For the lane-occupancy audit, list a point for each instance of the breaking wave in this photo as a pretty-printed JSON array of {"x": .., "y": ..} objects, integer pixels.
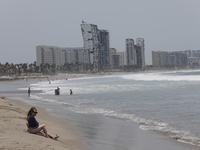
[{"x": 164, "y": 76}]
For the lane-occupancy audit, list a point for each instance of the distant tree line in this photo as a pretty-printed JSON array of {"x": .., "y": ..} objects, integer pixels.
[
  {"x": 17, "y": 69},
  {"x": 48, "y": 69},
  {"x": 10, "y": 69}
]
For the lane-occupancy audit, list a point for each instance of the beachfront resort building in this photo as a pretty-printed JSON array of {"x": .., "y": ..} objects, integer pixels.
[
  {"x": 162, "y": 59},
  {"x": 116, "y": 58},
  {"x": 176, "y": 58},
  {"x": 121, "y": 58},
  {"x": 60, "y": 55},
  {"x": 113, "y": 51},
  {"x": 193, "y": 57},
  {"x": 140, "y": 50},
  {"x": 90, "y": 40},
  {"x": 103, "y": 55},
  {"x": 135, "y": 54},
  {"x": 96, "y": 51},
  {"x": 97, "y": 41},
  {"x": 130, "y": 53}
]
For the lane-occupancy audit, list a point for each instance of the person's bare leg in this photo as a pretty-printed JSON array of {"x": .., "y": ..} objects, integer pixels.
[
  {"x": 44, "y": 129},
  {"x": 40, "y": 129},
  {"x": 49, "y": 135},
  {"x": 41, "y": 132},
  {"x": 53, "y": 137},
  {"x": 56, "y": 137}
]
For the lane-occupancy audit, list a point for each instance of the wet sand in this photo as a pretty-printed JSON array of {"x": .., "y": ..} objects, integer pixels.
[{"x": 116, "y": 134}]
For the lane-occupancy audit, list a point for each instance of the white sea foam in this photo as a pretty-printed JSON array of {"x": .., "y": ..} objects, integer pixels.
[
  {"x": 67, "y": 104},
  {"x": 38, "y": 98},
  {"x": 94, "y": 77},
  {"x": 160, "y": 77}
]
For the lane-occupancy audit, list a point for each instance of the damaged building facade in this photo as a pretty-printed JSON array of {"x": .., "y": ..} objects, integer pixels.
[
  {"x": 97, "y": 41},
  {"x": 95, "y": 51},
  {"x": 135, "y": 54}
]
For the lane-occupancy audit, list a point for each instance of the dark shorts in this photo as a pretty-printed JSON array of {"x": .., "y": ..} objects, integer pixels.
[{"x": 31, "y": 128}]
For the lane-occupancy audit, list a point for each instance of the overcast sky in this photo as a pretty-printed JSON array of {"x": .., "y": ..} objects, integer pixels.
[{"x": 167, "y": 25}]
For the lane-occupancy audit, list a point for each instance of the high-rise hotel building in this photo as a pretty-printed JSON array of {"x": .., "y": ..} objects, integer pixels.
[
  {"x": 95, "y": 50},
  {"x": 90, "y": 34},
  {"x": 97, "y": 41},
  {"x": 59, "y": 55},
  {"x": 131, "y": 56},
  {"x": 103, "y": 56},
  {"x": 135, "y": 54},
  {"x": 141, "y": 52},
  {"x": 116, "y": 58}
]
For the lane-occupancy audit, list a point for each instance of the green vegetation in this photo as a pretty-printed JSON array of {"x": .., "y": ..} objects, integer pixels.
[{"x": 24, "y": 69}]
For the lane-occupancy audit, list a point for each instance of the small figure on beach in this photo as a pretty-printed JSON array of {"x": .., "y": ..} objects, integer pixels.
[
  {"x": 29, "y": 91},
  {"x": 71, "y": 92},
  {"x": 34, "y": 127}
]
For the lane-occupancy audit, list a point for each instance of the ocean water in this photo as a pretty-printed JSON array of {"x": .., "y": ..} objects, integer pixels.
[{"x": 165, "y": 102}]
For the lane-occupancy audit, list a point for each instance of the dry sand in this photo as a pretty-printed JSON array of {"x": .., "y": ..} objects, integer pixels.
[{"x": 14, "y": 135}]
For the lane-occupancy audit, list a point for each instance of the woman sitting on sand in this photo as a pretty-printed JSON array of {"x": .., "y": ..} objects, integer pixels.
[{"x": 34, "y": 127}]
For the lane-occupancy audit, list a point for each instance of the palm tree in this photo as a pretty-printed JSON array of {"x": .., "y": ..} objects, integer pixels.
[
  {"x": 53, "y": 68},
  {"x": 24, "y": 67},
  {"x": 7, "y": 66},
  {"x": 12, "y": 69},
  {"x": 30, "y": 68},
  {"x": 18, "y": 69},
  {"x": 35, "y": 67}
]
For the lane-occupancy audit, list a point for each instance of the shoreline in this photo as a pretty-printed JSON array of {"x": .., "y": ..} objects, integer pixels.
[
  {"x": 128, "y": 135},
  {"x": 14, "y": 135},
  {"x": 78, "y": 75}
]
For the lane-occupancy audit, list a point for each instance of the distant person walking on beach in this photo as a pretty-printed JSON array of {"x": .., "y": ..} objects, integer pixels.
[
  {"x": 71, "y": 92},
  {"x": 29, "y": 91},
  {"x": 34, "y": 127}
]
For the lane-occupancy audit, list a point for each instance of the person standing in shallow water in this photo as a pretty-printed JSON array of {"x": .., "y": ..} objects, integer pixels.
[
  {"x": 71, "y": 92},
  {"x": 29, "y": 91},
  {"x": 34, "y": 127}
]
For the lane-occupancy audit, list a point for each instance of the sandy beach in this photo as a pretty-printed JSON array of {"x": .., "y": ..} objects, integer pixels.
[{"x": 14, "y": 135}]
